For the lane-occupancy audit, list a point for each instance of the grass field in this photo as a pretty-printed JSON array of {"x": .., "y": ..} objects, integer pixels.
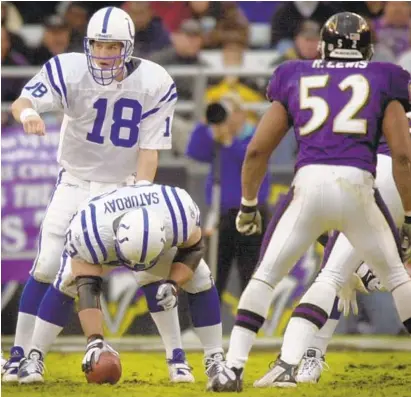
[{"x": 351, "y": 374}]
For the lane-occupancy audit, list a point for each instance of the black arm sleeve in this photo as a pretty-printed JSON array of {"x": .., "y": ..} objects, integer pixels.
[{"x": 191, "y": 256}]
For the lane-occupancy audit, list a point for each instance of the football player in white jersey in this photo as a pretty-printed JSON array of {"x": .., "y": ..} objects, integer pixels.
[
  {"x": 117, "y": 114},
  {"x": 155, "y": 231}
]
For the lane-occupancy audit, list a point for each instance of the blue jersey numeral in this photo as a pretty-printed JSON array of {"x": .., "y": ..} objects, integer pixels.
[
  {"x": 118, "y": 122},
  {"x": 38, "y": 90},
  {"x": 167, "y": 133}
]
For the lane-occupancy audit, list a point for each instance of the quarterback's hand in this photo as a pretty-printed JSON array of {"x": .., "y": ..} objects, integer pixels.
[
  {"x": 34, "y": 125},
  {"x": 93, "y": 351},
  {"x": 348, "y": 295},
  {"x": 406, "y": 239},
  {"x": 167, "y": 295},
  {"x": 248, "y": 220},
  {"x": 369, "y": 279}
]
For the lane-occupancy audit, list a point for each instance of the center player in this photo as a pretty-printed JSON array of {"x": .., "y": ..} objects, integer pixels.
[
  {"x": 155, "y": 231},
  {"x": 339, "y": 106},
  {"x": 117, "y": 114}
]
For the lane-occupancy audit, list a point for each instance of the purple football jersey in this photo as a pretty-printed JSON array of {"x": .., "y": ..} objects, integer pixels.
[{"x": 337, "y": 108}]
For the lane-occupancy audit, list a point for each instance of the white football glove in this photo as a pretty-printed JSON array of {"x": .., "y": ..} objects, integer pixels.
[
  {"x": 93, "y": 351},
  {"x": 248, "y": 220},
  {"x": 369, "y": 279},
  {"x": 167, "y": 295},
  {"x": 348, "y": 295}
]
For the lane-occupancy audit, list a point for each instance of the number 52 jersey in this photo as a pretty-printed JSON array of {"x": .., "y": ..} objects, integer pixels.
[
  {"x": 337, "y": 108},
  {"x": 103, "y": 126}
]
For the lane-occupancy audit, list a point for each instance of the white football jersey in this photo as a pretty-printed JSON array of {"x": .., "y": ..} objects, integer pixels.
[
  {"x": 90, "y": 234},
  {"x": 103, "y": 126}
]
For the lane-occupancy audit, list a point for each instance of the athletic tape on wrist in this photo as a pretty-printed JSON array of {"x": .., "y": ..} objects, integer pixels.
[{"x": 28, "y": 112}]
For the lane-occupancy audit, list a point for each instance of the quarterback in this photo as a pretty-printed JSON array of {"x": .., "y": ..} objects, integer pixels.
[{"x": 117, "y": 114}]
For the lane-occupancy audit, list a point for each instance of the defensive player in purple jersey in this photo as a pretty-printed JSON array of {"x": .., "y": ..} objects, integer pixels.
[
  {"x": 339, "y": 249},
  {"x": 339, "y": 107}
]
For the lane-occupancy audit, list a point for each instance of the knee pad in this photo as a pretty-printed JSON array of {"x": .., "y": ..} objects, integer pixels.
[
  {"x": 47, "y": 262},
  {"x": 201, "y": 281}
]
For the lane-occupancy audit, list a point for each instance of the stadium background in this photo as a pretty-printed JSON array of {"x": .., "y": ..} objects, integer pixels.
[{"x": 210, "y": 48}]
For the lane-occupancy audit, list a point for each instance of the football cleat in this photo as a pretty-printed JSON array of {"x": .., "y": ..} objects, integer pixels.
[
  {"x": 178, "y": 368},
  {"x": 31, "y": 369},
  {"x": 11, "y": 367},
  {"x": 212, "y": 365},
  {"x": 226, "y": 379},
  {"x": 311, "y": 366},
  {"x": 280, "y": 374}
]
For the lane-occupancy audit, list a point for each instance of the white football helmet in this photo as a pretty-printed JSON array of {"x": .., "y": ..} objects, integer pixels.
[
  {"x": 109, "y": 24},
  {"x": 140, "y": 238}
]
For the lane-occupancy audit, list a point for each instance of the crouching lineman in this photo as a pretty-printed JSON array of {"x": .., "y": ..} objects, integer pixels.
[{"x": 151, "y": 229}]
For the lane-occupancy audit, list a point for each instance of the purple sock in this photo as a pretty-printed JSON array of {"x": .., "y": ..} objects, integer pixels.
[
  {"x": 150, "y": 291},
  {"x": 205, "y": 308},
  {"x": 32, "y": 296},
  {"x": 56, "y": 308}
]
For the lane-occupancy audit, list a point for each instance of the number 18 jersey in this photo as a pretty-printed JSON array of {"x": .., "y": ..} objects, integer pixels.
[
  {"x": 337, "y": 108},
  {"x": 103, "y": 126}
]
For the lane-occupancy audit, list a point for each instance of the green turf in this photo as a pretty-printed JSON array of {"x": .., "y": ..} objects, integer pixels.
[{"x": 351, "y": 374}]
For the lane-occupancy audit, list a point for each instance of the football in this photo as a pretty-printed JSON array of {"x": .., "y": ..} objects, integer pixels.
[{"x": 106, "y": 370}]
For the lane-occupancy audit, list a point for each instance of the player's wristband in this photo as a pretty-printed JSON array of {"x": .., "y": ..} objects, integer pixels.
[
  {"x": 407, "y": 219},
  {"x": 94, "y": 337},
  {"x": 169, "y": 281},
  {"x": 28, "y": 112},
  {"x": 249, "y": 203}
]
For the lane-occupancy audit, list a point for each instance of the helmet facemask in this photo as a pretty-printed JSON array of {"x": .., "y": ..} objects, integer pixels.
[{"x": 105, "y": 76}]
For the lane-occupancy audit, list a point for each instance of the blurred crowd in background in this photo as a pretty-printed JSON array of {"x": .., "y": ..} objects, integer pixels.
[{"x": 176, "y": 33}]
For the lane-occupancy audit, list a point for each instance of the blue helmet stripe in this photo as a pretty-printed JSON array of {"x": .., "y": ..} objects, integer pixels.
[
  {"x": 145, "y": 235},
  {"x": 106, "y": 17}
]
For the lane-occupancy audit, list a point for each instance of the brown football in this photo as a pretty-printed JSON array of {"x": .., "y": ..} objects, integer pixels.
[{"x": 106, "y": 370}]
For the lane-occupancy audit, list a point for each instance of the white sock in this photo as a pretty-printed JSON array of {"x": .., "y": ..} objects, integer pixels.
[
  {"x": 241, "y": 342},
  {"x": 301, "y": 331},
  {"x": 44, "y": 335},
  {"x": 402, "y": 299},
  {"x": 323, "y": 337},
  {"x": 211, "y": 338},
  {"x": 24, "y": 330},
  {"x": 168, "y": 326},
  {"x": 256, "y": 298}
]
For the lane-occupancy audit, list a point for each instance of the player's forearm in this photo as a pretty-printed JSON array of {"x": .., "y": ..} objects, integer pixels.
[
  {"x": 402, "y": 176},
  {"x": 180, "y": 273},
  {"x": 18, "y": 106},
  {"x": 147, "y": 164},
  {"x": 253, "y": 172},
  {"x": 271, "y": 129},
  {"x": 91, "y": 322}
]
